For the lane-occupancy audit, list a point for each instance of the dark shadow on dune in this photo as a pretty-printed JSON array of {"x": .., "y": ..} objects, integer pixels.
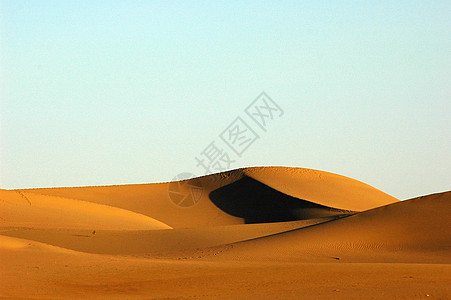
[{"x": 258, "y": 203}]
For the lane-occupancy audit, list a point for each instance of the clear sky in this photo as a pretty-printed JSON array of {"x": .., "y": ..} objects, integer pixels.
[{"x": 115, "y": 92}]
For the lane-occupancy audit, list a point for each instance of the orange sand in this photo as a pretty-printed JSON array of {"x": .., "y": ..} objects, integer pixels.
[{"x": 256, "y": 233}]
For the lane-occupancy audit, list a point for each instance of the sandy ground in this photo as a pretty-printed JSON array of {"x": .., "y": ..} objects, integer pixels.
[{"x": 335, "y": 237}]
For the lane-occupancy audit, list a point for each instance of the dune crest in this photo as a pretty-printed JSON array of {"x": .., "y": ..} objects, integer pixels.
[{"x": 322, "y": 187}]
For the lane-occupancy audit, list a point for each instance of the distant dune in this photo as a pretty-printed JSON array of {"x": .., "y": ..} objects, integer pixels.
[
  {"x": 324, "y": 189},
  {"x": 272, "y": 232}
]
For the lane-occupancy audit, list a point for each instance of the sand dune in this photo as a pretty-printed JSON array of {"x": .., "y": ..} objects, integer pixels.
[
  {"x": 151, "y": 200},
  {"x": 325, "y": 189},
  {"x": 256, "y": 202},
  {"x": 22, "y": 209},
  {"x": 321, "y": 187},
  {"x": 410, "y": 231},
  {"x": 269, "y": 232}
]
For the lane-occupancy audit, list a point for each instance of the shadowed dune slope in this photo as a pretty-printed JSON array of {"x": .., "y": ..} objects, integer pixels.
[
  {"x": 413, "y": 230},
  {"x": 324, "y": 189},
  {"x": 258, "y": 203}
]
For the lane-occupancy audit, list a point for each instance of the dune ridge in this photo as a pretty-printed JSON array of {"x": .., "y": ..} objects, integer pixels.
[{"x": 320, "y": 187}]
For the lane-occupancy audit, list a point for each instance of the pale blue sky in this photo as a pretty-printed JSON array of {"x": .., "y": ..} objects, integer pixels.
[{"x": 114, "y": 92}]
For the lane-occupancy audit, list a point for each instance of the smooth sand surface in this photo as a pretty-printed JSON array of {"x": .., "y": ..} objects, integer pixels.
[
  {"x": 39, "y": 211},
  {"x": 321, "y": 187},
  {"x": 269, "y": 232},
  {"x": 409, "y": 231}
]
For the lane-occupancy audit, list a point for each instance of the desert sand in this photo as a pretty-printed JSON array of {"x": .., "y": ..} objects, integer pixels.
[{"x": 263, "y": 232}]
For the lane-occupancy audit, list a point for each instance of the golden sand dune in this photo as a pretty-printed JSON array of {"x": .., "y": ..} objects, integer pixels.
[
  {"x": 413, "y": 231},
  {"x": 321, "y": 187},
  {"x": 256, "y": 233},
  {"x": 22, "y": 209},
  {"x": 331, "y": 193},
  {"x": 152, "y": 200}
]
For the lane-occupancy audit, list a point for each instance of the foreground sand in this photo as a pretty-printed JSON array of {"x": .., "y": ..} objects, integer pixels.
[{"x": 335, "y": 238}]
